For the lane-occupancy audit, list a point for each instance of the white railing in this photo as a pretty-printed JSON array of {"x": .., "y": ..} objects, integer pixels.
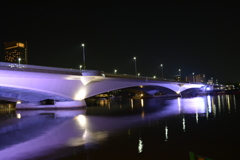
[{"x": 35, "y": 68}]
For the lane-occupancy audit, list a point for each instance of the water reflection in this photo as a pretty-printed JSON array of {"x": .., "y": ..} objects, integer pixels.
[
  {"x": 32, "y": 133},
  {"x": 140, "y": 145}
]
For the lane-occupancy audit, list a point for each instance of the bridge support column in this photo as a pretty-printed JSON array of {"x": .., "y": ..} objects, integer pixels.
[{"x": 56, "y": 105}]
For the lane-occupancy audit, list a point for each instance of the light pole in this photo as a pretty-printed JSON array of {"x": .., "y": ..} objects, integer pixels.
[
  {"x": 179, "y": 73},
  {"x": 138, "y": 74},
  {"x": 193, "y": 76},
  {"x": 162, "y": 69},
  {"x": 80, "y": 67},
  {"x": 115, "y": 71},
  {"x": 135, "y": 59},
  {"x": 19, "y": 59},
  {"x": 84, "y": 64}
]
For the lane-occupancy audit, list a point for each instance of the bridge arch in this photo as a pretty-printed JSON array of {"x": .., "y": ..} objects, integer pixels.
[{"x": 69, "y": 87}]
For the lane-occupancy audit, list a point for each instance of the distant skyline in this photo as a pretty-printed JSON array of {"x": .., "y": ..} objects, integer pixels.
[{"x": 195, "y": 37}]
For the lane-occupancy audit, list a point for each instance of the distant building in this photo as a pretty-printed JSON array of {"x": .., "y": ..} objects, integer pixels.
[
  {"x": 210, "y": 82},
  {"x": 16, "y": 52},
  {"x": 200, "y": 78},
  {"x": 177, "y": 77}
]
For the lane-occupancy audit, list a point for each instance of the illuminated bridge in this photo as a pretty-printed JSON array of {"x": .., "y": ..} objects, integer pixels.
[{"x": 30, "y": 85}]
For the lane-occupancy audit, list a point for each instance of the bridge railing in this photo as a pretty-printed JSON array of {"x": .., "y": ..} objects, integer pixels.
[
  {"x": 141, "y": 77},
  {"x": 44, "y": 69}
]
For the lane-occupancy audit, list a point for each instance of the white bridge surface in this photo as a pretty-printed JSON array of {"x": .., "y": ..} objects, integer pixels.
[{"x": 21, "y": 84}]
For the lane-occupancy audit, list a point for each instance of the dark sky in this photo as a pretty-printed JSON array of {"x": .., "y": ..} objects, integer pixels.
[{"x": 196, "y": 37}]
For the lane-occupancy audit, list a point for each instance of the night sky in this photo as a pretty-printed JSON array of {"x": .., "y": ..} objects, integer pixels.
[{"x": 203, "y": 38}]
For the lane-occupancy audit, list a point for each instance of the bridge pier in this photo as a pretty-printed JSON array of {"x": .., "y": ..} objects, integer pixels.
[{"x": 56, "y": 105}]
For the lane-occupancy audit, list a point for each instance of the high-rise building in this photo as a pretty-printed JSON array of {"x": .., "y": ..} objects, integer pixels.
[
  {"x": 200, "y": 78},
  {"x": 16, "y": 52}
]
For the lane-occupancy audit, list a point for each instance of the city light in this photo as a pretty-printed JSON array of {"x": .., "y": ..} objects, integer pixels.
[
  {"x": 162, "y": 69},
  {"x": 135, "y": 59},
  {"x": 19, "y": 59},
  {"x": 84, "y": 63}
]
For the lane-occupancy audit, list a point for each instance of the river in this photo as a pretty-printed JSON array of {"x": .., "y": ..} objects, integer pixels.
[{"x": 153, "y": 128}]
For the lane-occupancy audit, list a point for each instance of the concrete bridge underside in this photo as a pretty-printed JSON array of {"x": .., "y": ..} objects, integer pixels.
[{"x": 29, "y": 88}]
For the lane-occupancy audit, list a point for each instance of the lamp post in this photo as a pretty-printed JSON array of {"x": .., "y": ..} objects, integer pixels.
[
  {"x": 84, "y": 64},
  {"x": 19, "y": 59},
  {"x": 193, "y": 76},
  {"x": 115, "y": 71},
  {"x": 162, "y": 69},
  {"x": 179, "y": 74},
  {"x": 80, "y": 67},
  {"x": 138, "y": 74},
  {"x": 135, "y": 59}
]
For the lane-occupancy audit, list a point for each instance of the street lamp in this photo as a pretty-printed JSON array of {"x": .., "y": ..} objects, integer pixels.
[
  {"x": 19, "y": 59},
  {"x": 135, "y": 59},
  {"x": 154, "y": 77},
  {"x": 162, "y": 69},
  {"x": 115, "y": 71},
  {"x": 80, "y": 67},
  {"x": 179, "y": 73},
  {"x": 84, "y": 64},
  {"x": 193, "y": 76},
  {"x": 138, "y": 74}
]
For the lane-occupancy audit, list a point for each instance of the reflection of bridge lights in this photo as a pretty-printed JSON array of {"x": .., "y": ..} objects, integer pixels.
[
  {"x": 18, "y": 115},
  {"x": 197, "y": 116},
  {"x": 166, "y": 133},
  {"x": 209, "y": 104},
  {"x": 80, "y": 95},
  {"x": 219, "y": 103},
  {"x": 143, "y": 114},
  {"x": 85, "y": 134},
  {"x": 179, "y": 104},
  {"x": 132, "y": 103},
  {"x": 228, "y": 103},
  {"x": 140, "y": 146},
  {"x": 184, "y": 126},
  {"x": 82, "y": 120},
  {"x": 234, "y": 102},
  {"x": 142, "y": 103},
  {"x": 129, "y": 132}
]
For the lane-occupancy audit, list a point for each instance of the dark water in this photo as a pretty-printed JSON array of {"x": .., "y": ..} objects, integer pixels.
[{"x": 161, "y": 129}]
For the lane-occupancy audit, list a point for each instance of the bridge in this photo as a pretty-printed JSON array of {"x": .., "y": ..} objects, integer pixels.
[{"x": 30, "y": 85}]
